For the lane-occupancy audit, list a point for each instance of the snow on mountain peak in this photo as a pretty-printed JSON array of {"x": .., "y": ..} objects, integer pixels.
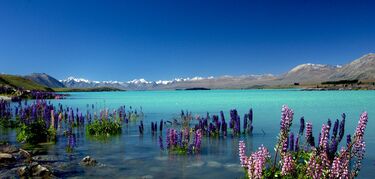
[
  {"x": 135, "y": 81},
  {"x": 71, "y": 78},
  {"x": 139, "y": 81}
]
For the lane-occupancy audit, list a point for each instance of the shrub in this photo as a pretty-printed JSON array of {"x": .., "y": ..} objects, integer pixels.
[{"x": 103, "y": 127}]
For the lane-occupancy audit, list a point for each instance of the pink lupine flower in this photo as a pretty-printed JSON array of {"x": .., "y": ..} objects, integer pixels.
[
  {"x": 256, "y": 162},
  {"x": 314, "y": 169},
  {"x": 286, "y": 122},
  {"x": 340, "y": 164},
  {"x": 323, "y": 144},
  {"x": 287, "y": 164},
  {"x": 242, "y": 153}
]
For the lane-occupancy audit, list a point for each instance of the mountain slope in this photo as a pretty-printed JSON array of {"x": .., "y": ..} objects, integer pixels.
[
  {"x": 46, "y": 80},
  {"x": 21, "y": 82},
  {"x": 361, "y": 69},
  {"x": 309, "y": 73}
]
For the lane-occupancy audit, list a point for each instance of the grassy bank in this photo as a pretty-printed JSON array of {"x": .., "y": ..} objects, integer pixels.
[{"x": 98, "y": 89}]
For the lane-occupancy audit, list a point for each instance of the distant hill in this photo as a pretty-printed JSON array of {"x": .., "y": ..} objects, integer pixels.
[
  {"x": 21, "y": 82},
  {"x": 46, "y": 80},
  {"x": 360, "y": 69},
  {"x": 309, "y": 73}
]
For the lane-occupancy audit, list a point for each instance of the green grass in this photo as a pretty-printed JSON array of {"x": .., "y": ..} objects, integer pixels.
[{"x": 21, "y": 82}]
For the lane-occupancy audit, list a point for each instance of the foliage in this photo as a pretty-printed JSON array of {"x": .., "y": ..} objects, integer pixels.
[
  {"x": 35, "y": 132},
  {"x": 103, "y": 127}
]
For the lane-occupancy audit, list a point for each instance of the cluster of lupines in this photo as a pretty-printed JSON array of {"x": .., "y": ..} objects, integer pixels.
[
  {"x": 5, "y": 114},
  {"x": 105, "y": 125},
  {"x": 184, "y": 141},
  {"x": 37, "y": 122},
  {"x": 71, "y": 140},
  {"x": 308, "y": 160},
  {"x": 219, "y": 127},
  {"x": 255, "y": 163}
]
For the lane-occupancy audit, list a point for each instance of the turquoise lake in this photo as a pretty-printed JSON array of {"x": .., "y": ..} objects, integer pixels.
[{"x": 133, "y": 156}]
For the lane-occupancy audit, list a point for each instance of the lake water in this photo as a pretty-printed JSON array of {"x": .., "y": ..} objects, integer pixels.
[{"x": 131, "y": 155}]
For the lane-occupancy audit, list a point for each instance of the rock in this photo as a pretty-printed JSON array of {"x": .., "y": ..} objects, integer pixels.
[
  {"x": 40, "y": 171},
  {"x": 25, "y": 154},
  {"x": 4, "y": 157},
  {"x": 9, "y": 149},
  {"x": 88, "y": 161},
  {"x": 23, "y": 171}
]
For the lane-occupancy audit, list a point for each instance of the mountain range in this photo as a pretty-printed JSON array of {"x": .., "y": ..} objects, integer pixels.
[{"x": 362, "y": 69}]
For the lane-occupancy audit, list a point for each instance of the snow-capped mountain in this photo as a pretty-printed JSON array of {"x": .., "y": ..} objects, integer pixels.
[
  {"x": 362, "y": 68},
  {"x": 136, "y": 84}
]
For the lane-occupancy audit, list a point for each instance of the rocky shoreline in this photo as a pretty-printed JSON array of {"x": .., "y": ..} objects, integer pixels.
[{"x": 20, "y": 163}]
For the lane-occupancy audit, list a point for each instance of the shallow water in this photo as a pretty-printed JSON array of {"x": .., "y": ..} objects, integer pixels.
[{"x": 131, "y": 155}]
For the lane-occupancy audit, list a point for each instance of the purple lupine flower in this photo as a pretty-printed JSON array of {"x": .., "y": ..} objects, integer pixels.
[
  {"x": 335, "y": 129},
  {"x": 161, "y": 125},
  {"x": 222, "y": 117},
  {"x": 296, "y": 144},
  {"x": 233, "y": 117},
  {"x": 251, "y": 117},
  {"x": 288, "y": 164},
  {"x": 224, "y": 129},
  {"x": 291, "y": 142},
  {"x": 238, "y": 126},
  {"x": 152, "y": 127},
  {"x": 155, "y": 127},
  {"x": 329, "y": 123},
  {"x": 198, "y": 140},
  {"x": 245, "y": 122},
  {"x": 332, "y": 149},
  {"x": 302, "y": 126},
  {"x": 168, "y": 139},
  {"x": 242, "y": 153},
  {"x": 348, "y": 140},
  {"x": 342, "y": 128}
]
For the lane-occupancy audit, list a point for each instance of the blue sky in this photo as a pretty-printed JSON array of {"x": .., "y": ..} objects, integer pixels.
[{"x": 123, "y": 40}]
